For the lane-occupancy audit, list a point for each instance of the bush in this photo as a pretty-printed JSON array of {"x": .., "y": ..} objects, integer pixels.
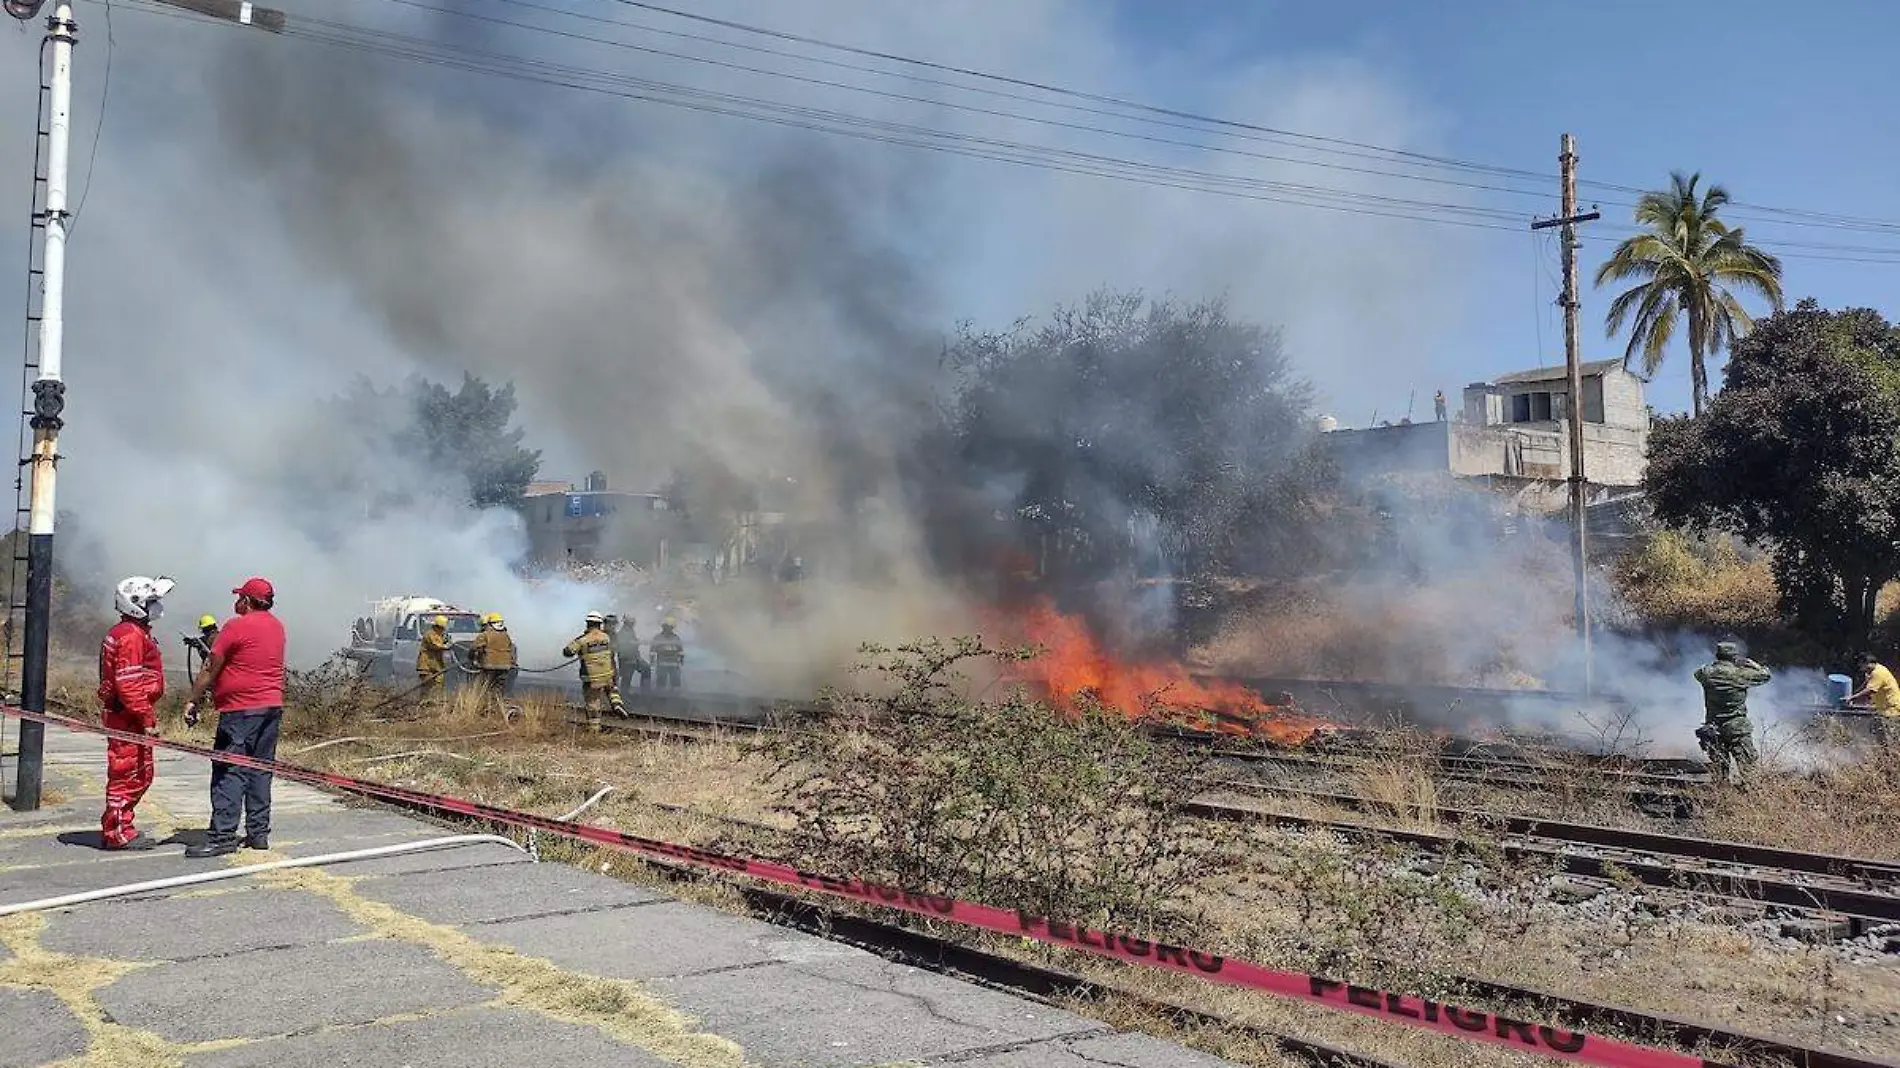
[
  {"x": 1677, "y": 580},
  {"x": 1002, "y": 800}
]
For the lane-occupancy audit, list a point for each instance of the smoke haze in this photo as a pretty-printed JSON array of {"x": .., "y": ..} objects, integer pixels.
[{"x": 267, "y": 218}]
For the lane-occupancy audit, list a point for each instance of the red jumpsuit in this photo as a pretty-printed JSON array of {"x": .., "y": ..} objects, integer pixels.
[{"x": 131, "y": 680}]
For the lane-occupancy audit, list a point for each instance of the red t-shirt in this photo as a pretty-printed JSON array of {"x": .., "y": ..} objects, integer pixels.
[{"x": 253, "y": 677}]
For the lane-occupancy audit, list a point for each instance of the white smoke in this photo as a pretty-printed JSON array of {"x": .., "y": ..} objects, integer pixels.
[{"x": 266, "y": 219}]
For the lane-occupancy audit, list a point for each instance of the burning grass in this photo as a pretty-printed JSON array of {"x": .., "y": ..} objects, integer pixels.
[{"x": 1074, "y": 670}]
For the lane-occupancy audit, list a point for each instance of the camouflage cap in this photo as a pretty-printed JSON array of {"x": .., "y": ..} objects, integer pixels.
[{"x": 1727, "y": 650}]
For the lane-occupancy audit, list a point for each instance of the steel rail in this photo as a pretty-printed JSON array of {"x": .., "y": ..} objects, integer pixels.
[
  {"x": 1859, "y": 869},
  {"x": 939, "y": 954},
  {"x": 1859, "y": 906}
]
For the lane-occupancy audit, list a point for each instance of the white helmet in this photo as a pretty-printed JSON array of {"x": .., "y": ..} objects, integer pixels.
[
  {"x": 140, "y": 598},
  {"x": 596, "y": 617}
]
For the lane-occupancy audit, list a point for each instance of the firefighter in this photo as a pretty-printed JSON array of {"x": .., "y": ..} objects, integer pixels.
[
  {"x": 432, "y": 659},
  {"x": 595, "y": 650},
  {"x": 627, "y": 655},
  {"x": 669, "y": 653},
  {"x": 1726, "y": 734},
  {"x": 131, "y": 680},
  {"x": 493, "y": 654},
  {"x": 200, "y": 643}
]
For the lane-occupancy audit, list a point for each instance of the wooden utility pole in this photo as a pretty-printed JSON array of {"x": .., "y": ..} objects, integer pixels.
[{"x": 1573, "y": 363}]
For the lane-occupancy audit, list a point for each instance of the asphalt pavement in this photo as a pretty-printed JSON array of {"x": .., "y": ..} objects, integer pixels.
[{"x": 464, "y": 956}]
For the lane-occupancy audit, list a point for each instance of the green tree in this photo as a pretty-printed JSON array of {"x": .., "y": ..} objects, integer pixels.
[
  {"x": 1127, "y": 429},
  {"x": 1689, "y": 266},
  {"x": 460, "y": 439},
  {"x": 1799, "y": 453}
]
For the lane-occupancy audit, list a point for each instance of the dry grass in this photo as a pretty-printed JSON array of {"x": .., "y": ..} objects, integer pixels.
[
  {"x": 74, "y": 981},
  {"x": 1847, "y": 808},
  {"x": 622, "y": 1009},
  {"x": 1709, "y": 584},
  {"x": 1299, "y": 900}
]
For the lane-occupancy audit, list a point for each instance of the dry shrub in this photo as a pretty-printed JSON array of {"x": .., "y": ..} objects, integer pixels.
[
  {"x": 1402, "y": 784},
  {"x": 1676, "y": 580},
  {"x": 1845, "y": 808},
  {"x": 1001, "y": 799}
]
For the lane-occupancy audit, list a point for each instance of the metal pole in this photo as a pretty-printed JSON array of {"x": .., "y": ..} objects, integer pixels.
[
  {"x": 49, "y": 403},
  {"x": 1567, "y": 161}
]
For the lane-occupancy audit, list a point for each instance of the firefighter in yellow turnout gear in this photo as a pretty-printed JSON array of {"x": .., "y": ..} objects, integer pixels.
[
  {"x": 493, "y": 654},
  {"x": 595, "y": 650},
  {"x": 432, "y": 659}
]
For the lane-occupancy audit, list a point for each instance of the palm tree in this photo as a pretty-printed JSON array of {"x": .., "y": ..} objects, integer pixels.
[{"x": 1690, "y": 264}]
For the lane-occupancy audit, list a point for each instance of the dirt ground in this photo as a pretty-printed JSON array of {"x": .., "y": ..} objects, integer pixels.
[{"x": 1301, "y": 901}]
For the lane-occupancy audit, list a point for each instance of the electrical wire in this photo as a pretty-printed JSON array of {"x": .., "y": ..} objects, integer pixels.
[
  {"x": 99, "y": 128},
  {"x": 1041, "y": 156},
  {"x": 1210, "y": 120}
]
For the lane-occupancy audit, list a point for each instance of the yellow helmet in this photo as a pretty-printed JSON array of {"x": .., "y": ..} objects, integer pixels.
[
  {"x": 207, "y": 622},
  {"x": 439, "y": 622},
  {"x": 668, "y": 623},
  {"x": 492, "y": 618}
]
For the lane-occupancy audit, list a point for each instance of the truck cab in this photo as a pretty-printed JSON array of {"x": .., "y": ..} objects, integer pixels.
[{"x": 386, "y": 642}]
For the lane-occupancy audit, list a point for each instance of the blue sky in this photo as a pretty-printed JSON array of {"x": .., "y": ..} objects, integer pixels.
[{"x": 1788, "y": 106}]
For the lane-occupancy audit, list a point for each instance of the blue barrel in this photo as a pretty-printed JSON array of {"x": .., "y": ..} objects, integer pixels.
[{"x": 1838, "y": 687}]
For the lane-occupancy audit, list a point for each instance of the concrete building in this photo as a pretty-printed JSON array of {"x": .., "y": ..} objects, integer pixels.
[
  {"x": 595, "y": 525},
  {"x": 1512, "y": 432}
]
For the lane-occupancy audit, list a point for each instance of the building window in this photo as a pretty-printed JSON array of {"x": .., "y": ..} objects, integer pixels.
[{"x": 1530, "y": 407}]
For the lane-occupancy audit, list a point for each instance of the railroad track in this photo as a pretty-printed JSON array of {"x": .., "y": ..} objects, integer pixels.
[
  {"x": 1859, "y": 870},
  {"x": 1862, "y": 893},
  {"x": 946, "y": 956}
]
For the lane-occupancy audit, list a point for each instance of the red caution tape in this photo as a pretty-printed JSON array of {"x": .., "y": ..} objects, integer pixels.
[{"x": 1406, "y": 1009}]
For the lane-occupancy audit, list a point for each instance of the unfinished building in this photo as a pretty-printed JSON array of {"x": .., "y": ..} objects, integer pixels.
[{"x": 1511, "y": 435}]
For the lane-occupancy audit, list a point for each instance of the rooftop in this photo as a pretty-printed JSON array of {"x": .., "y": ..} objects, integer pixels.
[{"x": 1548, "y": 374}]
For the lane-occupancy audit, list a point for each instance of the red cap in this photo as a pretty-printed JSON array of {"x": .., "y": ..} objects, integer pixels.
[{"x": 258, "y": 588}]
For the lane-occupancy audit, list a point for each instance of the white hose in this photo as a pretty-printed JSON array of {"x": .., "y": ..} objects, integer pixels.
[
  {"x": 585, "y": 805},
  {"x": 253, "y": 869},
  {"x": 534, "y": 835},
  {"x": 415, "y": 753}
]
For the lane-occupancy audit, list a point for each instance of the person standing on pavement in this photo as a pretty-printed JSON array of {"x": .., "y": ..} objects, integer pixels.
[
  {"x": 246, "y": 680},
  {"x": 131, "y": 680}
]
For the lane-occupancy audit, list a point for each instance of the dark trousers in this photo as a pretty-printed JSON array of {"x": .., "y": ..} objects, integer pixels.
[
  {"x": 239, "y": 791},
  {"x": 668, "y": 676}
]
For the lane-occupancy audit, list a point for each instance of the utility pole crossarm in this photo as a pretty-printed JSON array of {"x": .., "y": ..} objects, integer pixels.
[
  {"x": 1568, "y": 220},
  {"x": 241, "y": 12}
]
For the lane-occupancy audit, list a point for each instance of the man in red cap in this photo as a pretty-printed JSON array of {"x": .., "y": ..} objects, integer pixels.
[{"x": 246, "y": 680}]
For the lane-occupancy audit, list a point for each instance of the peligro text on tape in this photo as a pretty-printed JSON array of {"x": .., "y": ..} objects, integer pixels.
[{"x": 1405, "y": 1009}]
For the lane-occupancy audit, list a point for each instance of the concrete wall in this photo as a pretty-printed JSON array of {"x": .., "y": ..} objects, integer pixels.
[{"x": 1392, "y": 449}]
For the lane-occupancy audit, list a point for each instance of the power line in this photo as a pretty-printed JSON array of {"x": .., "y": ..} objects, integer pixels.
[
  {"x": 99, "y": 128},
  {"x": 1443, "y": 161},
  {"x": 1045, "y": 157},
  {"x": 931, "y": 101}
]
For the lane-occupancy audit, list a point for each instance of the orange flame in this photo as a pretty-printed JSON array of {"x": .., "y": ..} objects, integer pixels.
[{"x": 1074, "y": 663}]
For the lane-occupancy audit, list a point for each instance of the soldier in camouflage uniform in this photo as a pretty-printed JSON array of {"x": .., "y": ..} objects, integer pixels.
[{"x": 1726, "y": 734}]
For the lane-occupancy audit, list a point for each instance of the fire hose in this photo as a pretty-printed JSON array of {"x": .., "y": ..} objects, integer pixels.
[{"x": 254, "y": 869}]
